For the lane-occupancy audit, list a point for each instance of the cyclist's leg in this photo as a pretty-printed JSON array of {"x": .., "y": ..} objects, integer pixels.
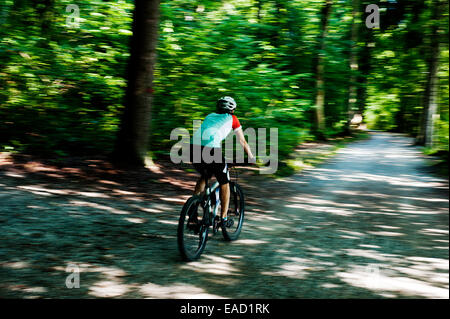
[
  {"x": 224, "y": 199},
  {"x": 200, "y": 167},
  {"x": 223, "y": 177},
  {"x": 200, "y": 186},
  {"x": 204, "y": 175}
]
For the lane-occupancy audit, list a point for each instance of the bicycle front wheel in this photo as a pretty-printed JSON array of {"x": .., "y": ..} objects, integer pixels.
[
  {"x": 235, "y": 213},
  {"x": 192, "y": 230}
]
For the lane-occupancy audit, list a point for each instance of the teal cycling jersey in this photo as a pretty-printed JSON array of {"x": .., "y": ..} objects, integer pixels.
[{"x": 214, "y": 129}]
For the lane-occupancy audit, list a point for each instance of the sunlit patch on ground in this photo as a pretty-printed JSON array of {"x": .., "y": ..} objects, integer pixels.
[
  {"x": 213, "y": 265},
  {"x": 296, "y": 268},
  {"x": 175, "y": 291},
  {"x": 100, "y": 207},
  {"x": 136, "y": 220},
  {"x": 108, "y": 289},
  {"x": 30, "y": 292},
  {"x": 16, "y": 265},
  {"x": 385, "y": 281}
]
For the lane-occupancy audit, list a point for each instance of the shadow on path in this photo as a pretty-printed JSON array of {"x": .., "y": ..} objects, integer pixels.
[{"x": 367, "y": 224}]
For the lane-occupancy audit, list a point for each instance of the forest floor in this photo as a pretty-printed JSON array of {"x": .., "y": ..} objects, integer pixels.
[{"x": 369, "y": 222}]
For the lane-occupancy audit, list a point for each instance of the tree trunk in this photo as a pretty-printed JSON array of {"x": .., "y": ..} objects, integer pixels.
[
  {"x": 132, "y": 141},
  {"x": 430, "y": 100},
  {"x": 258, "y": 13},
  {"x": 17, "y": 15},
  {"x": 364, "y": 65},
  {"x": 320, "y": 89},
  {"x": 280, "y": 21},
  {"x": 45, "y": 10},
  {"x": 430, "y": 104},
  {"x": 46, "y": 15},
  {"x": 352, "y": 94},
  {"x": 410, "y": 43}
]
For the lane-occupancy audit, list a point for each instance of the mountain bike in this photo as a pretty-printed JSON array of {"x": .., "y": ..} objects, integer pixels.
[{"x": 202, "y": 212}]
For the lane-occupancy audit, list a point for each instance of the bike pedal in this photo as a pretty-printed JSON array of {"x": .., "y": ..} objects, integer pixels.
[{"x": 230, "y": 223}]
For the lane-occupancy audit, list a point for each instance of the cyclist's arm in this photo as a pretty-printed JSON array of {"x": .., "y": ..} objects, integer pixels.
[{"x": 243, "y": 142}]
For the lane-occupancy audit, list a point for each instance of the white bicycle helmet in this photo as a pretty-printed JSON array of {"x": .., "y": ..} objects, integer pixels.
[{"x": 226, "y": 104}]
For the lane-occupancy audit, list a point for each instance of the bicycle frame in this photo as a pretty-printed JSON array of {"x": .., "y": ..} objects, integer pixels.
[
  {"x": 211, "y": 214},
  {"x": 192, "y": 237},
  {"x": 208, "y": 191}
]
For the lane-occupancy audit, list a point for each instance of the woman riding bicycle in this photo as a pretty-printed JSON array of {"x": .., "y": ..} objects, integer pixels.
[{"x": 206, "y": 150}]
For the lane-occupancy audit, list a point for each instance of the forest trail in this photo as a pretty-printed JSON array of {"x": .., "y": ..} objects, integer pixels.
[{"x": 368, "y": 223}]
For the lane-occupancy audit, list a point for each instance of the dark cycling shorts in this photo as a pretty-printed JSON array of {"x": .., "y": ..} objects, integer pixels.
[{"x": 217, "y": 168}]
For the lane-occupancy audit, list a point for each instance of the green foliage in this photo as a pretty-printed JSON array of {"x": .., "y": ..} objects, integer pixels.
[{"x": 62, "y": 87}]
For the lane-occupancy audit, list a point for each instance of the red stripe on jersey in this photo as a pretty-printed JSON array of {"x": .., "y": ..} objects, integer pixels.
[{"x": 236, "y": 123}]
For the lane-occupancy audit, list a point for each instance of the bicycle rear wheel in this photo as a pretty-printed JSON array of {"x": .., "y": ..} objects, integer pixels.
[
  {"x": 235, "y": 213},
  {"x": 192, "y": 230}
]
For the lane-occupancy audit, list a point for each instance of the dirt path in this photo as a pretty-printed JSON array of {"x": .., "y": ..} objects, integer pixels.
[{"x": 370, "y": 223}]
